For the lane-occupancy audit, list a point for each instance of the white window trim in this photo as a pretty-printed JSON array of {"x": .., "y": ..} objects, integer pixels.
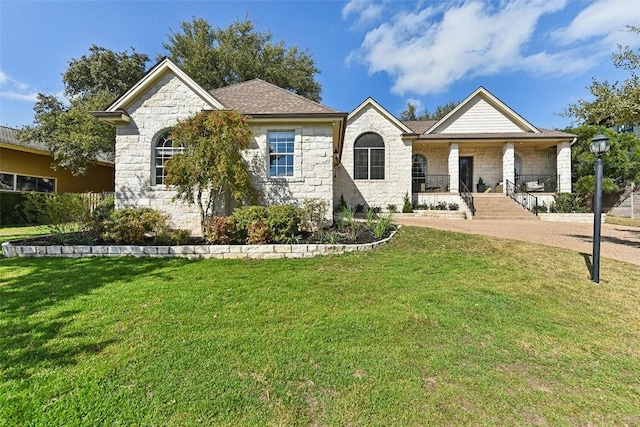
[
  {"x": 14, "y": 188},
  {"x": 295, "y": 154},
  {"x": 154, "y": 166}
]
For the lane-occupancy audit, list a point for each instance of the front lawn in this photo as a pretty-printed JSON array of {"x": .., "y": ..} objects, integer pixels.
[{"x": 435, "y": 328}]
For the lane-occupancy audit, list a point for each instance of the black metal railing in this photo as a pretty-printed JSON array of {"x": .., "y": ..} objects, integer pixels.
[
  {"x": 540, "y": 183},
  {"x": 431, "y": 183},
  {"x": 467, "y": 197},
  {"x": 523, "y": 198}
]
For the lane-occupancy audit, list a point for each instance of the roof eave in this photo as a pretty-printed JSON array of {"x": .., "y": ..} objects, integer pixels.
[{"x": 112, "y": 117}]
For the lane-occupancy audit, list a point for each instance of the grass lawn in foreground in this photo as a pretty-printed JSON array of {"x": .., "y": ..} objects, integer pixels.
[{"x": 435, "y": 328}]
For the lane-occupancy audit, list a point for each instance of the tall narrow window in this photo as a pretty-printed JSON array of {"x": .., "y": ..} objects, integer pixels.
[
  {"x": 164, "y": 150},
  {"x": 281, "y": 149},
  {"x": 368, "y": 157},
  {"x": 419, "y": 172}
]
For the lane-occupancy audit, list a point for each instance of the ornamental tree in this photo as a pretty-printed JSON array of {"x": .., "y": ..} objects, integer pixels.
[{"x": 211, "y": 171}]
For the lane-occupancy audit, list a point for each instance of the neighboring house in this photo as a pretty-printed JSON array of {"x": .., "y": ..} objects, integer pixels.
[
  {"x": 302, "y": 149},
  {"x": 28, "y": 167}
]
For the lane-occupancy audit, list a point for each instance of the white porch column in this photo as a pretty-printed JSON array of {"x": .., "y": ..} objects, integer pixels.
[
  {"x": 454, "y": 168},
  {"x": 563, "y": 167},
  {"x": 508, "y": 165}
]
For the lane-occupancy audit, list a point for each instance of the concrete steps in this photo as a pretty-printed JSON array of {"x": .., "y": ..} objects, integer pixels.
[{"x": 499, "y": 207}]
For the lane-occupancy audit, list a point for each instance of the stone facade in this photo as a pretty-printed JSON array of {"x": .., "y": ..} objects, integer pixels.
[
  {"x": 156, "y": 111},
  {"x": 397, "y": 161},
  {"x": 313, "y": 165}
]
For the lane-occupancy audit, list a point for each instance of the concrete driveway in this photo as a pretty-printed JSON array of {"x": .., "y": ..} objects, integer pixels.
[{"x": 618, "y": 241}]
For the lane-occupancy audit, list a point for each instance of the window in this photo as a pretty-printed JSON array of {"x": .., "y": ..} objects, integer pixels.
[
  {"x": 164, "y": 150},
  {"x": 15, "y": 182},
  {"x": 281, "y": 145},
  {"x": 368, "y": 157},
  {"x": 419, "y": 169}
]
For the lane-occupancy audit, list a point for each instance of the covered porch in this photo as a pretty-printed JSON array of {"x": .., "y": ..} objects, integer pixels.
[{"x": 478, "y": 166}]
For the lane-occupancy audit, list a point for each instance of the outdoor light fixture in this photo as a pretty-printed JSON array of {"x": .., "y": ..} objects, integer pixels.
[{"x": 599, "y": 146}]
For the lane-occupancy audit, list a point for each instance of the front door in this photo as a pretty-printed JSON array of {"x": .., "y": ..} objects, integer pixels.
[{"x": 466, "y": 173}]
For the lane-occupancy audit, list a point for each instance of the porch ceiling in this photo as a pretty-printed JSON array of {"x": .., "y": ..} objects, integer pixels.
[{"x": 486, "y": 143}]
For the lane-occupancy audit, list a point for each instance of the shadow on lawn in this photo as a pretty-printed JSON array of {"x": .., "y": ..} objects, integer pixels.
[{"x": 34, "y": 333}]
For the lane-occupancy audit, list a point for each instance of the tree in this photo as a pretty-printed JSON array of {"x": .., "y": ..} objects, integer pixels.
[
  {"x": 211, "y": 169},
  {"x": 615, "y": 103},
  {"x": 622, "y": 161},
  {"x": 441, "y": 110},
  {"x": 73, "y": 136},
  {"x": 218, "y": 57}
]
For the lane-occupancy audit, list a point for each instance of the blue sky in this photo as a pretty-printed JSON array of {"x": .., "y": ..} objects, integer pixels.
[{"x": 535, "y": 55}]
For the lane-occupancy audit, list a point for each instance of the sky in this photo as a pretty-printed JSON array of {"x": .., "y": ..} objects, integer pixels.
[{"x": 537, "y": 56}]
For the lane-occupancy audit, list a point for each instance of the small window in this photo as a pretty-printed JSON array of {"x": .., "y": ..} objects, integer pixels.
[
  {"x": 281, "y": 149},
  {"x": 164, "y": 150},
  {"x": 368, "y": 157}
]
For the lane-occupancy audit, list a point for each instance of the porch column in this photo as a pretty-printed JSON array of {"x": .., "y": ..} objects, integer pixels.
[
  {"x": 454, "y": 168},
  {"x": 563, "y": 167},
  {"x": 508, "y": 165}
]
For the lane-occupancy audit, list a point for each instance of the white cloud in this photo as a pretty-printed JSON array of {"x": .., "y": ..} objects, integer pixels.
[
  {"x": 13, "y": 89},
  {"x": 602, "y": 19},
  {"x": 427, "y": 49},
  {"x": 368, "y": 12}
]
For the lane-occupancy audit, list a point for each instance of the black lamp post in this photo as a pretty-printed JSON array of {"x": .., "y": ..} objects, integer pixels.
[{"x": 599, "y": 146}]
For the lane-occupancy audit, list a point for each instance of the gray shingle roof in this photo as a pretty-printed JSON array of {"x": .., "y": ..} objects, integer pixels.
[
  {"x": 259, "y": 97},
  {"x": 419, "y": 126},
  {"x": 10, "y": 136}
]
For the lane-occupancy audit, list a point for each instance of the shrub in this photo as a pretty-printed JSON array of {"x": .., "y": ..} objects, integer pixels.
[
  {"x": 101, "y": 213},
  {"x": 407, "y": 206},
  {"x": 567, "y": 203},
  {"x": 342, "y": 204},
  {"x": 283, "y": 222},
  {"x": 219, "y": 230},
  {"x": 453, "y": 206},
  {"x": 313, "y": 214},
  {"x": 440, "y": 206},
  {"x": 258, "y": 232},
  {"x": 60, "y": 213},
  {"x": 11, "y": 209},
  {"x": 243, "y": 216},
  {"x": 133, "y": 225},
  {"x": 392, "y": 208}
]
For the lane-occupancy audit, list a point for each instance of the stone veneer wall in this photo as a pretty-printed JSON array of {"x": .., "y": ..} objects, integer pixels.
[
  {"x": 313, "y": 165},
  {"x": 397, "y": 182},
  {"x": 168, "y": 101}
]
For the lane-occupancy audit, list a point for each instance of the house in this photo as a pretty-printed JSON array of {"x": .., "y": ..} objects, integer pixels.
[
  {"x": 28, "y": 167},
  {"x": 302, "y": 149}
]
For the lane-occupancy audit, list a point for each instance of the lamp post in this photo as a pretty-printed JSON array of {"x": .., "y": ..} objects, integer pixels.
[{"x": 599, "y": 146}]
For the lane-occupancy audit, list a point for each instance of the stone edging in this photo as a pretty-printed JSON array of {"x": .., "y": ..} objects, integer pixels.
[
  {"x": 569, "y": 217},
  {"x": 190, "y": 251}
]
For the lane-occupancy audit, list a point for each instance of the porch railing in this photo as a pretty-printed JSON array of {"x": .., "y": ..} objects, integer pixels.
[
  {"x": 523, "y": 198},
  {"x": 431, "y": 183},
  {"x": 540, "y": 183},
  {"x": 466, "y": 195}
]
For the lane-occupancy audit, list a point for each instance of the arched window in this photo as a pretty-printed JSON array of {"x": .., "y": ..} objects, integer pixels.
[
  {"x": 418, "y": 170},
  {"x": 368, "y": 157},
  {"x": 164, "y": 150}
]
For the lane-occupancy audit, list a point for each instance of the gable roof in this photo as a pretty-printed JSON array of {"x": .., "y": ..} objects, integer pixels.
[
  {"x": 481, "y": 99},
  {"x": 260, "y": 97},
  {"x": 370, "y": 102},
  {"x": 419, "y": 126},
  {"x": 151, "y": 77}
]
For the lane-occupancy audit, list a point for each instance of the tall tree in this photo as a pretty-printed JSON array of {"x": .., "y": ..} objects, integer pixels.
[
  {"x": 92, "y": 82},
  {"x": 410, "y": 113},
  {"x": 217, "y": 57},
  {"x": 615, "y": 103},
  {"x": 211, "y": 170}
]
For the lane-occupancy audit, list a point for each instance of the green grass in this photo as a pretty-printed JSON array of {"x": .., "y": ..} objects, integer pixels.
[
  {"x": 434, "y": 328},
  {"x": 635, "y": 222},
  {"x": 20, "y": 232}
]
